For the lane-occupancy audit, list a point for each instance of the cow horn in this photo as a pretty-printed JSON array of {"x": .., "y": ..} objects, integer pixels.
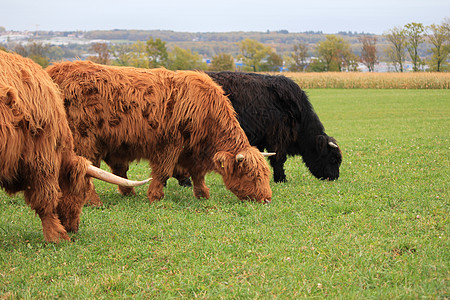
[
  {"x": 114, "y": 179},
  {"x": 267, "y": 154},
  {"x": 239, "y": 157},
  {"x": 333, "y": 145}
]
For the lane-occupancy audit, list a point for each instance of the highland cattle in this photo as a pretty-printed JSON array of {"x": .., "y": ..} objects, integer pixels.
[
  {"x": 175, "y": 120},
  {"x": 276, "y": 115},
  {"x": 36, "y": 148}
]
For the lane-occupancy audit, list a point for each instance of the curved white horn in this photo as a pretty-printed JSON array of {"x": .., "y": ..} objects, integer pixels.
[
  {"x": 114, "y": 179},
  {"x": 267, "y": 154},
  {"x": 333, "y": 145},
  {"x": 239, "y": 157}
]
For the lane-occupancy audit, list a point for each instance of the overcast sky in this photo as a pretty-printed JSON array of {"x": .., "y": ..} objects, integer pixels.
[{"x": 328, "y": 16}]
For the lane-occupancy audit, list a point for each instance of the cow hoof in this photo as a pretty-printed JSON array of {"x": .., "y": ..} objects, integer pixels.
[
  {"x": 280, "y": 180},
  {"x": 56, "y": 235},
  {"x": 94, "y": 203},
  {"x": 155, "y": 197},
  {"x": 201, "y": 194},
  {"x": 185, "y": 182},
  {"x": 126, "y": 191}
]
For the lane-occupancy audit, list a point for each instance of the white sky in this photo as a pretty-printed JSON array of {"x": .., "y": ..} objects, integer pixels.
[{"x": 329, "y": 16}]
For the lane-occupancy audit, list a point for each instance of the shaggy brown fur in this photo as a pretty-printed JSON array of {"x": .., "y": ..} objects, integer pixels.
[
  {"x": 172, "y": 119},
  {"x": 36, "y": 147}
]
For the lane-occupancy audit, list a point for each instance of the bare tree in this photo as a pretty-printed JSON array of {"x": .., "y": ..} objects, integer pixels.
[
  {"x": 397, "y": 52},
  {"x": 369, "y": 51},
  {"x": 299, "y": 57},
  {"x": 414, "y": 34},
  {"x": 37, "y": 51},
  {"x": 102, "y": 53}
]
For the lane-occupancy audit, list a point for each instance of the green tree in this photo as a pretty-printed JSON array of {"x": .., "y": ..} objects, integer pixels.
[
  {"x": 397, "y": 51},
  {"x": 369, "y": 51},
  {"x": 157, "y": 53},
  {"x": 184, "y": 59},
  {"x": 55, "y": 53},
  {"x": 298, "y": 58},
  {"x": 222, "y": 62},
  {"x": 335, "y": 53},
  {"x": 133, "y": 55},
  {"x": 439, "y": 37},
  {"x": 138, "y": 55},
  {"x": 350, "y": 61},
  {"x": 414, "y": 37},
  {"x": 122, "y": 54},
  {"x": 252, "y": 53},
  {"x": 272, "y": 63},
  {"x": 317, "y": 65}
]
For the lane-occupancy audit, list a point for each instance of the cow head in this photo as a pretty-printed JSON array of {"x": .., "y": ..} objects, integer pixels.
[
  {"x": 246, "y": 174},
  {"x": 325, "y": 158}
]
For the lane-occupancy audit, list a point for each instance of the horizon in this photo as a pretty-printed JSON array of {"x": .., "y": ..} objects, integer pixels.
[
  {"x": 326, "y": 16},
  {"x": 203, "y": 32}
]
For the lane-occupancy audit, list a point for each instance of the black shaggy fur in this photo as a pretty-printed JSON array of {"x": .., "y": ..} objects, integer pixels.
[{"x": 277, "y": 116}]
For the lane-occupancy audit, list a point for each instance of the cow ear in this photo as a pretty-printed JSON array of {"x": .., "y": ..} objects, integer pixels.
[
  {"x": 8, "y": 96},
  {"x": 224, "y": 162},
  {"x": 321, "y": 143}
]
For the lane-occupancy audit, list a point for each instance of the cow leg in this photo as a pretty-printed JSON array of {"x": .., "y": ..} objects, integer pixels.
[
  {"x": 163, "y": 166},
  {"x": 92, "y": 198},
  {"x": 52, "y": 228},
  {"x": 182, "y": 176},
  {"x": 42, "y": 197},
  {"x": 69, "y": 211},
  {"x": 277, "y": 162},
  {"x": 159, "y": 177},
  {"x": 156, "y": 190},
  {"x": 200, "y": 188},
  {"x": 121, "y": 169}
]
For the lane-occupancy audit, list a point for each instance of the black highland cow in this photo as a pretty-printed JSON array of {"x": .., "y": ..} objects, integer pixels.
[{"x": 277, "y": 116}]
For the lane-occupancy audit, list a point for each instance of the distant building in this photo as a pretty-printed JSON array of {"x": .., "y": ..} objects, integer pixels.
[{"x": 6, "y": 37}]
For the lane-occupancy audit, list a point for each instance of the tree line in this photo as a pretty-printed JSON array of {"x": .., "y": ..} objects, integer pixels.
[
  {"x": 405, "y": 41},
  {"x": 334, "y": 55},
  {"x": 331, "y": 53}
]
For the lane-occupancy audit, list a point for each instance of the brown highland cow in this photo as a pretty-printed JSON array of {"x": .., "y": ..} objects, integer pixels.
[
  {"x": 175, "y": 120},
  {"x": 36, "y": 148}
]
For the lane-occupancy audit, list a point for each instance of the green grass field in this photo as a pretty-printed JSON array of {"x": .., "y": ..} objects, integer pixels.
[{"x": 381, "y": 231}]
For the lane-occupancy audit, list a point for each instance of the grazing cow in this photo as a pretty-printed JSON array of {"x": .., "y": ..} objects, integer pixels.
[
  {"x": 276, "y": 115},
  {"x": 36, "y": 148},
  {"x": 175, "y": 120}
]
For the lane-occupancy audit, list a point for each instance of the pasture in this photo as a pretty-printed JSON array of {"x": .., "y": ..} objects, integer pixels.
[{"x": 380, "y": 231}]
